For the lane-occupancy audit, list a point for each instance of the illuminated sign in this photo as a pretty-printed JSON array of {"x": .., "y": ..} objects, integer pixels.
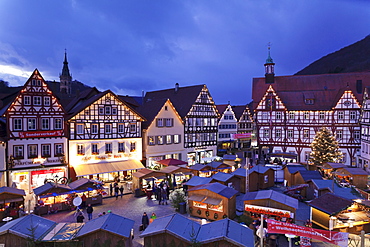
[{"x": 38, "y": 134}]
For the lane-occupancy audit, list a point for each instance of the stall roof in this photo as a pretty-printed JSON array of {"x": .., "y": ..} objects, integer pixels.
[
  {"x": 113, "y": 223},
  {"x": 174, "y": 224},
  {"x": 196, "y": 180},
  {"x": 216, "y": 164},
  {"x": 356, "y": 171},
  {"x": 11, "y": 190},
  {"x": 273, "y": 195},
  {"x": 9, "y": 194},
  {"x": 295, "y": 168},
  {"x": 51, "y": 188},
  {"x": 75, "y": 185},
  {"x": 227, "y": 230},
  {"x": 198, "y": 167},
  {"x": 307, "y": 175},
  {"x": 331, "y": 203},
  {"x": 142, "y": 172},
  {"x": 241, "y": 172},
  {"x": 213, "y": 201},
  {"x": 261, "y": 169},
  {"x": 218, "y": 188},
  {"x": 63, "y": 232},
  {"x": 230, "y": 157},
  {"x": 221, "y": 176},
  {"x": 332, "y": 165},
  {"x": 105, "y": 167},
  {"x": 338, "y": 190},
  {"x": 175, "y": 169},
  {"x": 22, "y": 226},
  {"x": 197, "y": 198}
]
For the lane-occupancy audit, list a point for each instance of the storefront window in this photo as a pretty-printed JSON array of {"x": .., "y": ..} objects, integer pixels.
[
  {"x": 216, "y": 207},
  {"x": 199, "y": 204}
]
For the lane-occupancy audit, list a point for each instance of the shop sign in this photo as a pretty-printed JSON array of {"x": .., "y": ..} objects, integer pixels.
[
  {"x": 268, "y": 211},
  {"x": 37, "y": 134},
  {"x": 47, "y": 171},
  {"x": 337, "y": 238},
  {"x": 200, "y": 148},
  {"x": 241, "y": 135}
]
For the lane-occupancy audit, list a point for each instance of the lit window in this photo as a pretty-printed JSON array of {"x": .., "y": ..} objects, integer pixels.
[
  {"x": 176, "y": 139},
  {"x": 108, "y": 148},
  {"x": 159, "y": 140},
  {"x": 18, "y": 152},
  {"x": 306, "y": 133},
  {"x": 151, "y": 140},
  {"x": 80, "y": 149},
  {"x": 121, "y": 147},
  {"x": 132, "y": 146},
  {"x": 168, "y": 139},
  {"x": 94, "y": 149},
  {"x": 59, "y": 149}
]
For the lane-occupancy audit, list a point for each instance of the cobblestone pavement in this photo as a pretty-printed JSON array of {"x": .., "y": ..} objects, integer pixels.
[{"x": 127, "y": 206}]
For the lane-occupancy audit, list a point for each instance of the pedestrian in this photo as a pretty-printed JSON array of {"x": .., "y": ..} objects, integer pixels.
[
  {"x": 116, "y": 189},
  {"x": 89, "y": 211},
  {"x": 164, "y": 196},
  {"x": 83, "y": 198},
  {"x": 153, "y": 217},
  {"x": 111, "y": 189},
  {"x": 155, "y": 191},
  {"x": 80, "y": 218},
  {"x": 121, "y": 190},
  {"x": 145, "y": 220},
  {"x": 159, "y": 194}
]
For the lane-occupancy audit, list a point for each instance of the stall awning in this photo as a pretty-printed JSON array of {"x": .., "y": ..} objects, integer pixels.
[
  {"x": 197, "y": 198},
  {"x": 106, "y": 167},
  {"x": 212, "y": 201}
]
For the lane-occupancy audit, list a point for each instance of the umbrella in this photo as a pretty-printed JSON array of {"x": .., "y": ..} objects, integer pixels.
[{"x": 171, "y": 162}]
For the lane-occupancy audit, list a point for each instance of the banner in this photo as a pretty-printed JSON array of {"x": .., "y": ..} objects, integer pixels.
[
  {"x": 241, "y": 136},
  {"x": 338, "y": 238},
  {"x": 38, "y": 134}
]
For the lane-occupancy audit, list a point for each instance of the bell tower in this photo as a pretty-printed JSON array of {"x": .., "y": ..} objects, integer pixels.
[
  {"x": 269, "y": 68},
  {"x": 65, "y": 77}
]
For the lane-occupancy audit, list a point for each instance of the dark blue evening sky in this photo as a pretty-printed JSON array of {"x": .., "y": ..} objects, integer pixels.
[{"x": 130, "y": 46}]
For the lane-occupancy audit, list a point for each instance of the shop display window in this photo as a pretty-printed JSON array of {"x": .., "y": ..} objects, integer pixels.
[
  {"x": 219, "y": 207},
  {"x": 199, "y": 204}
]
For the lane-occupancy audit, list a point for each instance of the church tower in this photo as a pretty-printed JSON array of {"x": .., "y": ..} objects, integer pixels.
[
  {"x": 65, "y": 77},
  {"x": 269, "y": 69}
]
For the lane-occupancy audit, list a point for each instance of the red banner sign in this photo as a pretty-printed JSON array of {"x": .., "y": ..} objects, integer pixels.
[
  {"x": 37, "y": 134},
  {"x": 338, "y": 238},
  {"x": 241, "y": 136}
]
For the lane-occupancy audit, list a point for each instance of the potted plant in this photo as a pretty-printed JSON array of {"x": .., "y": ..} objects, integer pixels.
[{"x": 177, "y": 198}]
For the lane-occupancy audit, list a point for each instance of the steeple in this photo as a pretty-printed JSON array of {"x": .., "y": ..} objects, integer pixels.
[
  {"x": 65, "y": 77},
  {"x": 269, "y": 68}
]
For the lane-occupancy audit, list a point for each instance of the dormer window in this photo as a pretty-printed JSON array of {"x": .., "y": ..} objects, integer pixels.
[
  {"x": 309, "y": 101},
  {"x": 309, "y": 98}
]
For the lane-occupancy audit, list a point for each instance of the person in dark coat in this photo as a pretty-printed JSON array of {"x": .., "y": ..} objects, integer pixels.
[
  {"x": 111, "y": 189},
  {"x": 80, "y": 217},
  {"x": 116, "y": 190},
  {"x": 89, "y": 211},
  {"x": 145, "y": 220},
  {"x": 121, "y": 190}
]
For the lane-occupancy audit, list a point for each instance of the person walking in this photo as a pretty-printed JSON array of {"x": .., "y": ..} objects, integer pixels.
[
  {"x": 152, "y": 217},
  {"x": 159, "y": 194},
  {"x": 89, "y": 211},
  {"x": 83, "y": 198},
  {"x": 111, "y": 189},
  {"x": 116, "y": 189},
  {"x": 164, "y": 196},
  {"x": 80, "y": 217},
  {"x": 121, "y": 190},
  {"x": 145, "y": 221}
]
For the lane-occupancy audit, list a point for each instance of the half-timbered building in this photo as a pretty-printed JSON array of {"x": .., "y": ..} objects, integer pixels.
[
  {"x": 227, "y": 128},
  {"x": 246, "y": 126},
  {"x": 364, "y": 155},
  {"x": 199, "y": 114},
  {"x": 36, "y": 135},
  {"x": 163, "y": 132},
  {"x": 104, "y": 136},
  {"x": 289, "y": 110}
]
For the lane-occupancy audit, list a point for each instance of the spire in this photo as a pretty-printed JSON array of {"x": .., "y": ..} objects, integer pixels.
[
  {"x": 65, "y": 77},
  {"x": 269, "y": 67},
  {"x": 65, "y": 70},
  {"x": 269, "y": 59}
]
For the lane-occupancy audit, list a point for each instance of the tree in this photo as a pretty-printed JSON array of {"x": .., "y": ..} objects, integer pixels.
[{"x": 324, "y": 148}]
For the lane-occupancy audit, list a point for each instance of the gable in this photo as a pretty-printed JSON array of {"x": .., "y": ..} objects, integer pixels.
[
  {"x": 270, "y": 101},
  {"x": 203, "y": 105},
  {"x": 347, "y": 101}
]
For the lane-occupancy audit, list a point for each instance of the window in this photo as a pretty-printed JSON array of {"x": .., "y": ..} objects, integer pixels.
[
  {"x": 46, "y": 101},
  {"x": 31, "y": 124},
  {"x": 94, "y": 149},
  {"x": 58, "y": 123},
  {"x": 357, "y": 135},
  {"x": 132, "y": 146},
  {"x": 132, "y": 128},
  {"x": 321, "y": 115},
  {"x": 45, "y": 150},
  {"x": 121, "y": 147},
  {"x": 37, "y": 100},
  {"x": 80, "y": 129},
  {"x": 160, "y": 140},
  {"x": 151, "y": 140},
  {"x": 94, "y": 129},
  {"x": 278, "y": 133},
  {"x": 168, "y": 139},
  {"x": 33, "y": 82},
  {"x": 38, "y": 82},
  {"x": 80, "y": 149},
  {"x": 165, "y": 108},
  {"x": 169, "y": 122},
  {"x": 339, "y": 134},
  {"x": 108, "y": 129},
  {"x": 27, "y": 100},
  {"x": 290, "y": 133},
  {"x": 45, "y": 123},
  {"x": 114, "y": 111},
  {"x": 306, "y": 133},
  {"x": 32, "y": 151},
  {"x": 121, "y": 128},
  {"x": 306, "y": 115},
  {"x": 176, "y": 139},
  {"x": 160, "y": 122},
  {"x": 340, "y": 115},
  {"x": 108, "y": 148},
  {"x": 17, "y": 124},
  {"x": 101, "y": 110},
  {"x": 58, "y": 149},
  {"x": 291, "y": 115},
  {"x": 108, "y": 110},
  {"x": 266, "y": 133},
  {"x": 264, "y": 115},
  {"x": 18, "y": 152},
  {"x": 278, "y": 115},
  {"x": 352, "y": 115}
]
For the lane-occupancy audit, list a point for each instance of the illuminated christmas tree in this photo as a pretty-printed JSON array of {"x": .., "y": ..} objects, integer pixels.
[{"x": 324, "y": 148}]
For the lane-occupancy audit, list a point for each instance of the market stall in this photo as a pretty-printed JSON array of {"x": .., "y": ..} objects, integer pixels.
[
  {"x": 221, "y": 167},
  {"x": 201, "y": 170},
  {"x": 91, "y": 188},
  {"x": 178, "y": 174},
  {"x": 143, "y": 178},
  {"x": 352, "y": 176},
  {"x": 213, "y": 201},
  {"x": 11, "y": 199},
  {"x": 272, "y": 204}
]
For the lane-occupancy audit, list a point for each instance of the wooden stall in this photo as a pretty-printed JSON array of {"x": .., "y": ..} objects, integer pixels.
[
  {"x": 141, "y": 180},
  {"x": 261, "y": 177},
  {"x": 11, "y": 199},
  {"x": 341, "y": 214},
  {"x": 289, "y": 171},
  {"x": 328, "y": 168},
  {"x": 352, "y": 176},
  {"x": 272, "y": 204},
  {"x": 201, "y": 170},
  {"x": 213, "y": 201},
  {"x": 177, "y": 174},
  {"x": 91, "y": 188},
  {"x": 221, "y": 167}
]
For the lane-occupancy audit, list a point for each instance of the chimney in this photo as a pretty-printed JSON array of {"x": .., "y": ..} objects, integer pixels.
[{"x": 176, "y": 87}]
